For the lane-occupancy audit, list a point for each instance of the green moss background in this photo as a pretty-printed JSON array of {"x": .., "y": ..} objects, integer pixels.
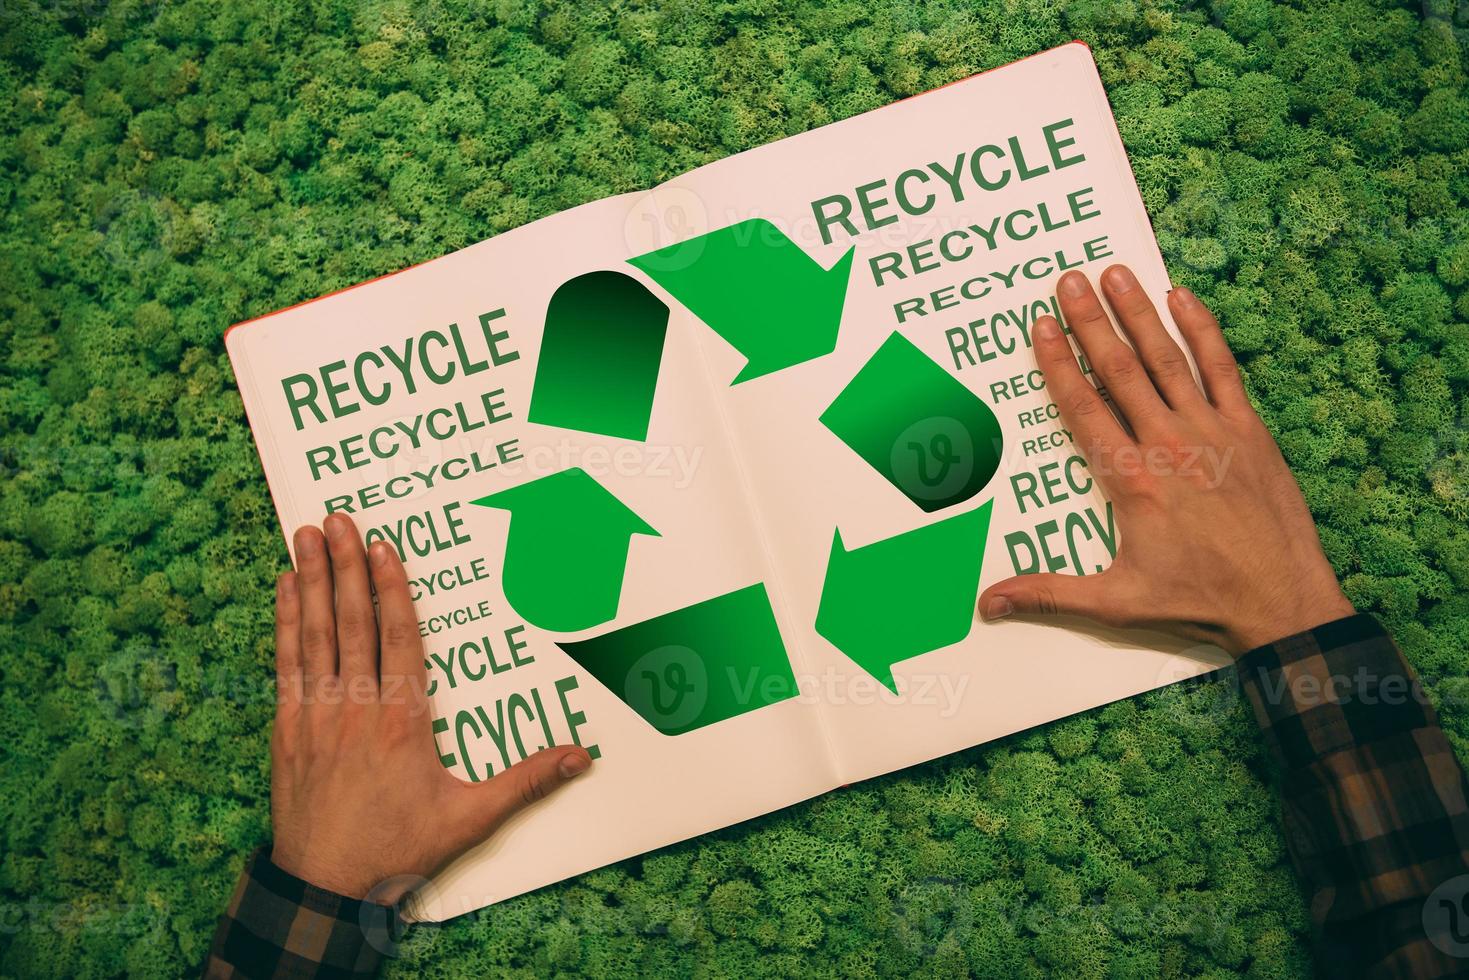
[{"x": 167, "y": 169}]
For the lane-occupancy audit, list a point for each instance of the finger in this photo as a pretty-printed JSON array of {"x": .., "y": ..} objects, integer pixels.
[
  {"x": 318, "y": 612},
  {"x": 1217, "y": 365},
  {"x": 1113, "y": 361},
  {"x": 287, "y": 643},
  {"x": 404, "y": 677},
  {"x": 1163, "y": 358},
  {"x": 1091, "y": 422},
  {"x": 285, "y": 763},
  {"x": 486, "y": 806},
  {"x": 1051, "y": 595},
  {"x": 356, "y": 620}
]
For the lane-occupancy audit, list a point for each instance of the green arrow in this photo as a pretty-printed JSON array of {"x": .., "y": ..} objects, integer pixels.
[
  {"x": 917, "y": 425},
  {"x": 758, "y": 290},
  {"x": 694, "y": 666},
  {"x": 566, "y": 551},
  {"x": 599, "y": 356},
  {"x": 905, "y": 595}
]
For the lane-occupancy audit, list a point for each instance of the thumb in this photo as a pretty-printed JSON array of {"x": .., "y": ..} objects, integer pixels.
[
  {"x": 1049, "y": 595},
  {"x": 529, "y": 780}
]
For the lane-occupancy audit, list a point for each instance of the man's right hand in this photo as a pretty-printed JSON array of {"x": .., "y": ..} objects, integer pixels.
[{"x": 1215, "y": 540}]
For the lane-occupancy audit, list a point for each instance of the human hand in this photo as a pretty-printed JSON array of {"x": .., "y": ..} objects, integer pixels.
[
  {"x": 358, "y": 798},
  {"x": 1215, "y": 540}
]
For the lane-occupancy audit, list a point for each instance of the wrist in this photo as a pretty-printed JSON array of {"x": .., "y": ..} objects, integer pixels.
[
  {"x": 320, "y": 876},
  {"x": 1296, "y": 614}
]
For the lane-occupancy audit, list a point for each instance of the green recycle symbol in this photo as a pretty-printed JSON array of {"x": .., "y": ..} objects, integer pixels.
[{"x": 929, "y": 436}]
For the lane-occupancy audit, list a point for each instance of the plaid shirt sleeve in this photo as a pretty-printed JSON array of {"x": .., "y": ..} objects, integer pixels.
[
  {"x": 279, "y": 926},
  {"x": 1374, "y": 801}
]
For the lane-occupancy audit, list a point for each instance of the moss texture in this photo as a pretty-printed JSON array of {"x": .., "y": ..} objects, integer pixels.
[{"x": 167, "y": 169}]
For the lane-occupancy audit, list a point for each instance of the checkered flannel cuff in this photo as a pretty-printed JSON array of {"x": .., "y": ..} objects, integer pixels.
[
  {"x": 280, "y": 926},
  {"x": 1375, "y": 807},
  {"x": 1339, "y": 686}
]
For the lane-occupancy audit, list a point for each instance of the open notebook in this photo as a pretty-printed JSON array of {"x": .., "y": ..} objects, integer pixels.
[{"x": 708, "y": 478}]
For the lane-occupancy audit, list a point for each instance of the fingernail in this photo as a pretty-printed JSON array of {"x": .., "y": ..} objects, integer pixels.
[
  {"x": 1183, "y": 294},
  {"x": 573, "y": 764},
  {"x": 1047, "y": 329},
  {"x": 307, "y": 543},
  {"x": 286, "y": 585},
  {"x": 337, "y": 525},
  {"x": 378, "y": 553},
  {"x": 998, "y": 608},
  {"x": 1121, "y": 279},
  {"x": 1073, "y": 285}
]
